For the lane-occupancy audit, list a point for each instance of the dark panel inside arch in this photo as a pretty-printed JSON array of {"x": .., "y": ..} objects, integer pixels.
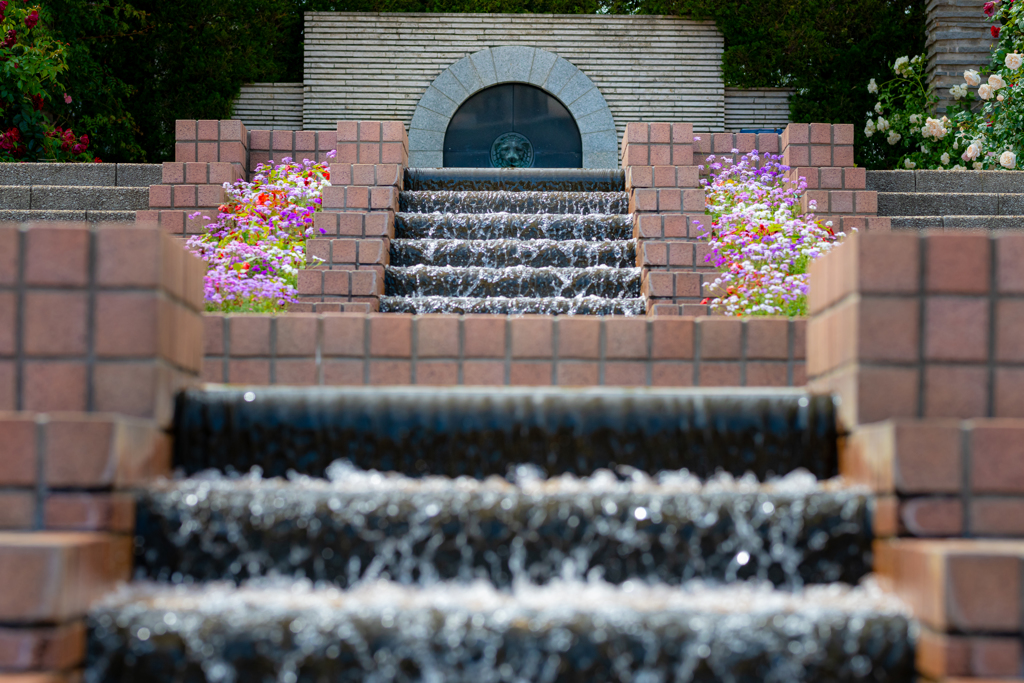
[{"x": 513, "y": 108}]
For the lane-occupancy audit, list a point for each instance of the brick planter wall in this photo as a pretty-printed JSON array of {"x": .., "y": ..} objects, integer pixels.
[
  {"x": 99, "y": 326},
  {"x": 355, "y": 349}
]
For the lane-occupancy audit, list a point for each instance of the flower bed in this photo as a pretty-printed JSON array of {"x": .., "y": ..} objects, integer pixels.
[
  {"x": 256, "y": 247},
  {"x": 759, "y": 237}
]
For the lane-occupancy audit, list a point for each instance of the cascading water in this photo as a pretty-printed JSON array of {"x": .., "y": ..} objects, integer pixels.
[{"x": 513, "y": 241}]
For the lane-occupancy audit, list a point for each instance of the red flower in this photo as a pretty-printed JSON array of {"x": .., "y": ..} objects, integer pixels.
[
  {"x": 989, "y": 9},
  {"x": 97, "y": 160},
  {"x": 37, "y": 102},
  {"x": 996, "y": 30},
  {"x": 706, "y": 300},
  {"x": 10, "y": 39},
  {"x": 32, "y": 19},
  {"x": 84, "y": 140}
]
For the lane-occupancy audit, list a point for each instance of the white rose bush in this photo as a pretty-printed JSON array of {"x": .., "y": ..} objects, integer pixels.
[{"x": 983, "y": 130}]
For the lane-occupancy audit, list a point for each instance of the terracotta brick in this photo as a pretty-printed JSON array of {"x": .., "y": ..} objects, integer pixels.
[
  {"x": 1010, "y": 330},
  {"x": 348, "y": 131},
  {"x": 680, "y": 254},
  {"x": 720, "y": 339},
  {"x": 956, "y": 328},
  {"x": 1009, "y": 254},
  {"x": 984, "y": 593},
  {"x": 484, "y": 336},
  {"x": 250, "y": 335},
  {"x": 249, "y": 371},
  {"x": 530, "y": 374},
  {"x": 132, "y": 388},
  {"x": 660, "y": 155},
  {"x": 184, "y": 129},
  {"x": 437, "y": 336},
  {"x": 955, "y": 391},
  {"x": 161, "y": 196},
  {"x": 884, "y": 392},
  {"x": 635, "y": 155},
  {"x": 887, "y": 263},
  {"x": 688, "y": 284},
  {"x": 672, "y": 374},
  {"x": 296, "y": 335},
  {"x": 343, "y": 372},
  {"x": 767, "y": 374},
  {"x": 348, "y": 153},
  {"x": 719, "y": 374},
  {"x": 932, "y": 516},
  {"x": 310, "y": 282},
  {"x": 295, "y": 371},
  {"x": 671, "y": 339},
  {"x": 17, "y": 511},
  {"x": 127, "y": 256},
  {"x": 958, "y": 264},
  {"x": 577, "y": 374},
  {"x": 54, "y": 385},
  {"x": 639, "y": 176},
  {"x": 768, "y": 338},
  {"x": 997, "y": 517},
  {"x": 48, "y": 648},
  {"x": 625, "y": 338},
  {"x": 939, "y": 655},
  {"x": 390, "y": 372},
  {"x": 366, "y": 283},
  {"x": 625, "y": 374},
  {"x": 90, "y": 512},
  {"x": 390, "y": 337},
  {"x": 337, "y": 282},
  {"x": 369, "y": 153},
  {"x": 927, "y": 457},
  {"x": 997, "y": 457},
  {"x": 644, "y": 199},
  {"x": 693, "y": 200},
  {"x": 344, "y": 335},
  {"x": 126, "y": 325},
  {"x": 483, "y": 373},
  {"x": 212, "y": 370},
  {"x": 636, "y": 132},
  {"x": 532, "y": 336},
  {"x": 58, "y": 575},
  {"x": 1009, "y": 392},
  {"x": 185, "y": 151},
  {"x": 17, "y": 451},
  {"x": 658, "y": 285},
  {"x": 854, "y": 178},
  {"x": 9, "y": 251},
  {"x": 437, "y": 373},
  {"x": 578, "y": 337},
  {"x": 57, "y": 255}
]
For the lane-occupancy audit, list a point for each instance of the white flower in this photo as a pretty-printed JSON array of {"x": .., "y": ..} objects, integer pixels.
[
  {"x": 909, "y": 164},
  {"x": 996, "y": 81},
  {"x": 958, "y": 91},
  {"x": 1000, "y": 98},
  {"x": 882, "y": 125},
  {"x": 972, "y": 78},
  {"x": 985, "y": 92},
  {"x": 878, "y": 107},
  {"x": 1008, "y": 159},
  {"x": 914, "y": 118},
  {"x": 933, "y": 128},
  {"x": 972, "y": 152},
  {"x": 872, "y": 86},
  {"x": 956, "y": 144},
  {"x": 893, "y": 138},
  {"x": 916, "y": 59},
  {"x": 901, "y": 67},
  {"x": 1013, "y": 61},
  {"x": 959, "y": 167},
  {"x": 944, "y": 158},
  {"x": 978, "y": 165}
]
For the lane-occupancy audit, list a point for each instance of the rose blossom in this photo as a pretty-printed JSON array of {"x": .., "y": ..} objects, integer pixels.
[
  {"x": 972, "y": 152},
  {"x": 996, "y": 81},
  {"x": 872, "y": 86},
  {"x": 995, "y": 30},
  {"x": 933, "y": 128},
  {"x": 989, "y": 9},
  {"x": 972, "y": 78},
  {"x": 985, "y": 92},
  {"x": 944, "y": 158},
  {"x": 1013, "y": 61},
  {"x": 1008, "y": 159}
]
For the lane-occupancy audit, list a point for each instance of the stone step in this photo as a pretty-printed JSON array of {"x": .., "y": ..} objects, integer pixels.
[
  {"x": 946, "y": 181},
  {"x": 91, "y": 175},
  {"x": 949, "y": 204},
  {"x": 565, "y": 632},
  {"x": 479, "y": 432},
  {"x": 513, "y": 281},
  {"x": 45, "y": 215},
  {"x": 579, "y": 305},
  {"x": 74, "y": 198},
  {"x": 958, "y": 222},
  {"x": 363, "y": 525}
]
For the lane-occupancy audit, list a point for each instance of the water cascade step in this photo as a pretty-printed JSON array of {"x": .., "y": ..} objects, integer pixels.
[
  {"x": 513, "y": 241},
  {"x": 368, "y": 525},
  {"x": 502, "y": 535},
  {"x": 480, "y": 432}
]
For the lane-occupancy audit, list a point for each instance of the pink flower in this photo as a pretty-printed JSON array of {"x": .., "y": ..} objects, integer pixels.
[
  {"x": 67, "y": 97},
  {"x": 989, "y": 9},
  {"x": 32, "y": 19}
]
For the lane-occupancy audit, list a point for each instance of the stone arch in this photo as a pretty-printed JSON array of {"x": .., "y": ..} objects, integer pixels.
[{"x": 513, "y": 64}]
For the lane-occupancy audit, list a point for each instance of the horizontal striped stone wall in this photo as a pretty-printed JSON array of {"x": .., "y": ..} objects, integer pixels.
[
  {"x": 958, "y": 39},
  {"x": 377, "y": 66},
  {"x": 270, "y": 106},
  {"x": 756, "y": 108}
]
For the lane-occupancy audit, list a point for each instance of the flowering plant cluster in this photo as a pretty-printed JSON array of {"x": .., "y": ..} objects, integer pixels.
[
  {"x": 984, "y": 129},
  {"x": 759, "y": 237},
  {"x": 256, "y": 247},
  {"x": 32, "y": 63}
]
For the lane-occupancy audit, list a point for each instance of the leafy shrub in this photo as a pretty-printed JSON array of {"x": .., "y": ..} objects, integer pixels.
[
  {"x": 32, "y": 66},
  {"x": 759, "y": 237},
  {"x": 256, "y": 247}
]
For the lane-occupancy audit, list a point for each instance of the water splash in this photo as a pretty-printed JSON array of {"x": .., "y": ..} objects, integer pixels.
[
  {"x": 512, "y": 281},
  {"x": 524, "y": 226},
  {"x": 499, "y": 253},
  {"x": 580, "y": 305},
  {"x": 514, "y": 202}
]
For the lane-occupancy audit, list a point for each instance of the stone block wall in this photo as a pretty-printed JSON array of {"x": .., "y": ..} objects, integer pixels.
[
  {"x": 99, "y": 326},
  {"x": 443, "y": 350}
]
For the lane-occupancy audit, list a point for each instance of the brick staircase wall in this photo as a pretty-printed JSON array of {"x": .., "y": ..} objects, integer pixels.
[
  {"x": 920, "y": 336},
  {"x": 99, "y": 326}
]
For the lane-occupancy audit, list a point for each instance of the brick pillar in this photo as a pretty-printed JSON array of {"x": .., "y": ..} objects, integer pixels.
[
  {"x": 357, "y": 223},
  {"x": 920, "y": 336},
  {"x": 99, "y": 327}
]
